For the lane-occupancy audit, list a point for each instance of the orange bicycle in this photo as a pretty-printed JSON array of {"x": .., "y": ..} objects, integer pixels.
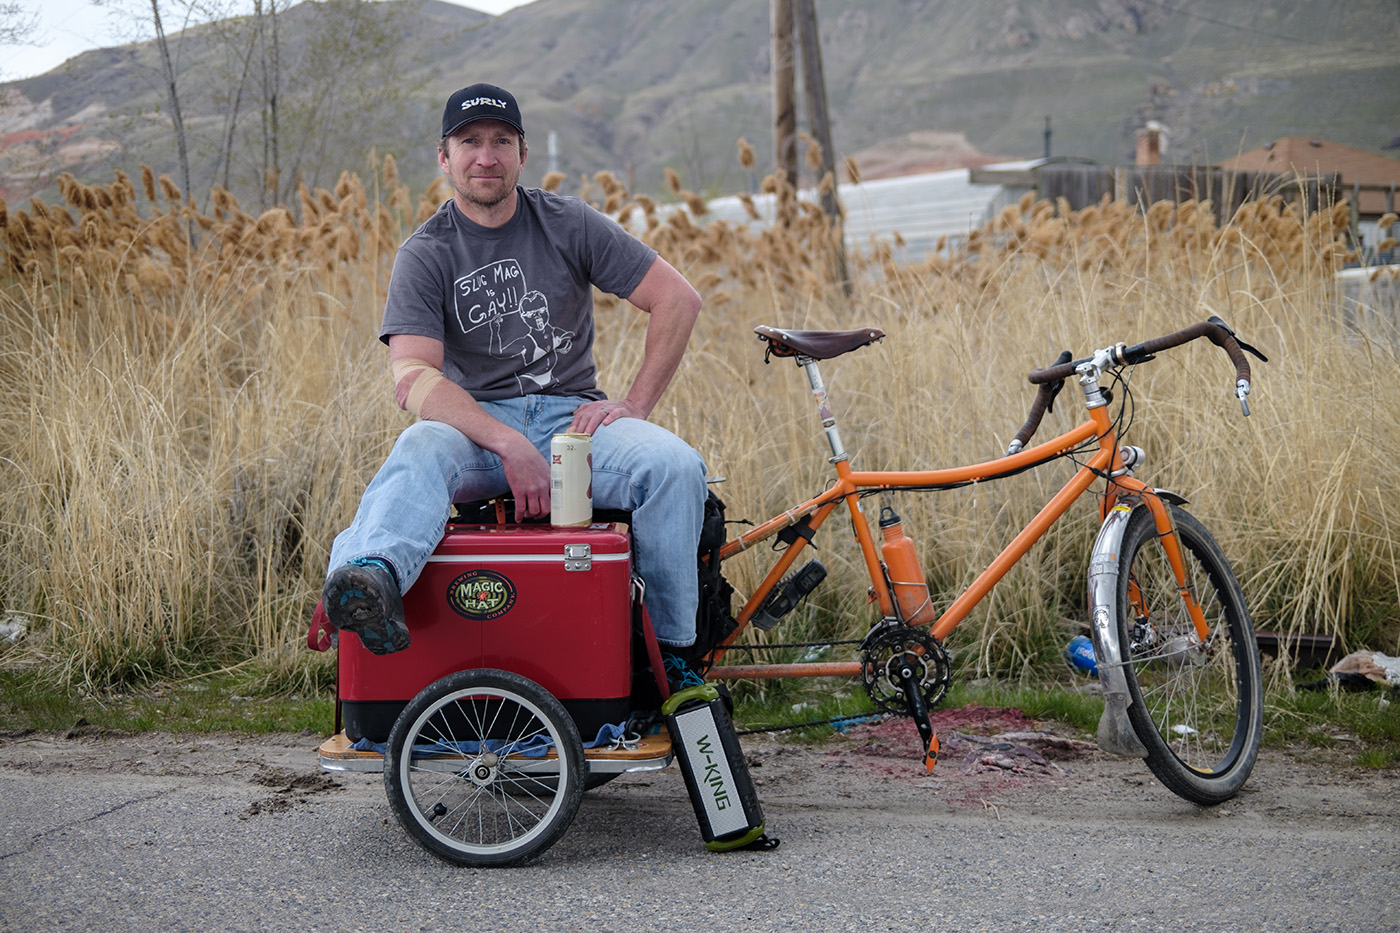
[{"x": 1172, "y": 636}]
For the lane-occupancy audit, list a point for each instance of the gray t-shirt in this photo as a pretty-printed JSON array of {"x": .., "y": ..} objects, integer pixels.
[{"x": 513, "y": 305}]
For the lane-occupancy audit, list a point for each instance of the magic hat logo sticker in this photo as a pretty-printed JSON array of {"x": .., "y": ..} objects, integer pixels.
[{"x": 481, "y": 595}]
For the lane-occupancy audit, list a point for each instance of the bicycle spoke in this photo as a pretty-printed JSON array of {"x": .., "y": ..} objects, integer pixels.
[{"x": 483, "y": 793}]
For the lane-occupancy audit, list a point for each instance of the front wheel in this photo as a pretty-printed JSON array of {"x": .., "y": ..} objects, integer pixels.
[
  {"x": 484, "y": 768},
  {"x": 1196, "y": 705}
]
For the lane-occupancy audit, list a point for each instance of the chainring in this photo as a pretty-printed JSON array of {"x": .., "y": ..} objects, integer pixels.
[{"x": 888, "y": 650}]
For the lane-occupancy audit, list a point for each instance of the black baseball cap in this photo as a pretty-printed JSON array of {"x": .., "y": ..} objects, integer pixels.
[{"x": 480, "y": 102}]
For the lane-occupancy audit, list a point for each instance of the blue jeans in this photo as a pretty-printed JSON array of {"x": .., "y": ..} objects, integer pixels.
[{"x": 637, "y": 466}]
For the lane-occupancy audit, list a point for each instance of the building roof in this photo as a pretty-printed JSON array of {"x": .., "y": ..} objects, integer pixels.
[
  {"x": 921, "y": 209},
  {"x": 1313, "y": 156}
]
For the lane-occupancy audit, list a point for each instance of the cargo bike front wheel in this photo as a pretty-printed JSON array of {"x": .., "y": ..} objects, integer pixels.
[
  {"x": 1197, "y": 705},
  {"x": 484, "y": 768}
]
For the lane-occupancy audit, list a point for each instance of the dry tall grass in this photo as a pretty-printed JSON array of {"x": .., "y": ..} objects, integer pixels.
[{"x": 194, "y": 402}]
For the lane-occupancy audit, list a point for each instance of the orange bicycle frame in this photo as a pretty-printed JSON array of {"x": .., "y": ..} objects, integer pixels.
[{"x": 851, "y": 484}]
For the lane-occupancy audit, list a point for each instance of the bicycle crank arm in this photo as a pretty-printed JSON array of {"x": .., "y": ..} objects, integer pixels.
[
  {"x": 914, "y": 697},
  {"x": 1116, "y": 735}
]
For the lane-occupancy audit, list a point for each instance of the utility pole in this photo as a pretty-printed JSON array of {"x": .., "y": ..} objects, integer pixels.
[
  {"x": 784, "y": 92},
  {"x": 817, "y": 116}
]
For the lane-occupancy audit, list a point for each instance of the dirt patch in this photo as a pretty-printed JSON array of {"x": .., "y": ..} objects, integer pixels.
[
  {"x": 287, "y": 781},
  {"x": 899, "y": 737},
  {"x": 988, "y": 756},
  {"x": 292, "y": 788},
  {"x": 973, "y": 739}
]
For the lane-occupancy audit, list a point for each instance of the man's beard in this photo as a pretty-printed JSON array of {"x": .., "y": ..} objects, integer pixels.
[
  {"x": 490, "y": 199},
  {"x": 487, "y": 201}
]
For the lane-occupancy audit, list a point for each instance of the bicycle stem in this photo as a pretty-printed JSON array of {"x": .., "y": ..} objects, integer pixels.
[{"x": 1089, "y": 372}]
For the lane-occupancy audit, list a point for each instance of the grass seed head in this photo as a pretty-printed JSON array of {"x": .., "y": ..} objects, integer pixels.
[
  {"x": 694, "y": 203},
  {"x": 747, "y": 158}
]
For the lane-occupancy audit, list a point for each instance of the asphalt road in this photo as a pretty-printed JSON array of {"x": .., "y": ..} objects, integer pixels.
[{"x": 165, "y": 833}]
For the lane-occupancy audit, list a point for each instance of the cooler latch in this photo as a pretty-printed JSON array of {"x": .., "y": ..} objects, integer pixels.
[{"x": 578, "y": 557}]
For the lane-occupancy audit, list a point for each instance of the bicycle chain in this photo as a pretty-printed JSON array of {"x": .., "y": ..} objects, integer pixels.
[
  {"x": 794, "y": 644},
  {"x": 854, "y": 717}
]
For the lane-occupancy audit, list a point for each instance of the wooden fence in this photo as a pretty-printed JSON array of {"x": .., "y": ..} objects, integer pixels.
[{"x": 1083, "y": 185}]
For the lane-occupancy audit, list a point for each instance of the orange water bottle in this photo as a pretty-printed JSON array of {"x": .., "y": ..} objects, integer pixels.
[{"x": 906, "y": 574}]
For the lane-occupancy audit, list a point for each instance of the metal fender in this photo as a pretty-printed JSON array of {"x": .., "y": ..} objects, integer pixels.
[{"x": 1116, "y": 735}]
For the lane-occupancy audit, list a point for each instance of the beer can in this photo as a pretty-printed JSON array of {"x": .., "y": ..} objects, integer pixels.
[{"x": 570, "y": 480}]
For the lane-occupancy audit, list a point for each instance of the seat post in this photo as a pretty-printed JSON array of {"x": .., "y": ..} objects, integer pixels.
[{"x": 833, "y": 436}]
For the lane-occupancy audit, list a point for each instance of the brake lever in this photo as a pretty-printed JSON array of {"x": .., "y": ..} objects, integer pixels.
[{"x": 1243, "y": 346}]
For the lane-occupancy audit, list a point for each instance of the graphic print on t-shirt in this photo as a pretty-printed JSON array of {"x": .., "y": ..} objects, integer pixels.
[{"x": 496, "y": 301}]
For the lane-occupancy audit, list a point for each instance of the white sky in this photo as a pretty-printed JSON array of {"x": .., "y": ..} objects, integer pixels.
[{"x": 68, "y": 27}]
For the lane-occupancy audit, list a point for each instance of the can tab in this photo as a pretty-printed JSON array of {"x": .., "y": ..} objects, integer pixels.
[{"x": 578, "y": 557}]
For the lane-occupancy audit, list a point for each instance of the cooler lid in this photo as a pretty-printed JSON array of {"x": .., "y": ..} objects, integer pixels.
[{"x": 531, "y": 543}]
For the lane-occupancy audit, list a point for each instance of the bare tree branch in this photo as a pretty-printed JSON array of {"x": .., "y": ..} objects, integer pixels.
[
  {"x": 17, "y": 27},
  {"x": 169, "y": 67}
]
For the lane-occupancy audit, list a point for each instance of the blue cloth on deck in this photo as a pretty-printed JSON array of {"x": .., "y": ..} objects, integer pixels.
[{"x": 537, "y": 746}]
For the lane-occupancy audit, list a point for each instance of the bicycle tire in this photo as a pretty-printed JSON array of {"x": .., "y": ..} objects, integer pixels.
[
  {"x": 461, "y": 749},
  {"x": 1197, "y": 708}
]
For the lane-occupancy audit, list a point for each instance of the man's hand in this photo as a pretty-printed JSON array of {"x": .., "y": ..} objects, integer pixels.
[
  {"x": 526, "y": 469},
  {"x": 527, "y": 472},
  {"x": 590, "y": 415}
]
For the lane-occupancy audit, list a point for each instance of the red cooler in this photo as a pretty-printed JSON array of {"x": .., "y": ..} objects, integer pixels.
[{"x": 551, "y": 604}]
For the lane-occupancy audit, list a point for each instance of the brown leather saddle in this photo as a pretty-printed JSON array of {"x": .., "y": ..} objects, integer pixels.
[{"x": 815, "y": 344}]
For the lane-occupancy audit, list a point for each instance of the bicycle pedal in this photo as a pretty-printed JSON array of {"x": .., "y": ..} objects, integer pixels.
[{"x": 788, "y": 594}]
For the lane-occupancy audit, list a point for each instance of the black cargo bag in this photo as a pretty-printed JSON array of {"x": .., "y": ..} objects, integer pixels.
[{"x": 714, "y": 619}]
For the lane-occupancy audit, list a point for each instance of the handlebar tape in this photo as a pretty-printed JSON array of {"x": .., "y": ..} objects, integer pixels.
[
  {"x": 1044, "y": 401},
  {"x": 1051, "y": 378},
  {"x": 1214, "y": 329}
]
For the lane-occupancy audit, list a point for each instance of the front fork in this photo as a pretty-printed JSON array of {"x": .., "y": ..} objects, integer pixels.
[{"x": 1116, "y": 734}]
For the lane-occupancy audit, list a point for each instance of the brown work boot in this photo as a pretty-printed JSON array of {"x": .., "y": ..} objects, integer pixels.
[{"x": 363, "y": 597}]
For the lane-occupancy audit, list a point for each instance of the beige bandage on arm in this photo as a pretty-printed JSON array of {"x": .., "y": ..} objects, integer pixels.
[{"x": 428, "y": 378}]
